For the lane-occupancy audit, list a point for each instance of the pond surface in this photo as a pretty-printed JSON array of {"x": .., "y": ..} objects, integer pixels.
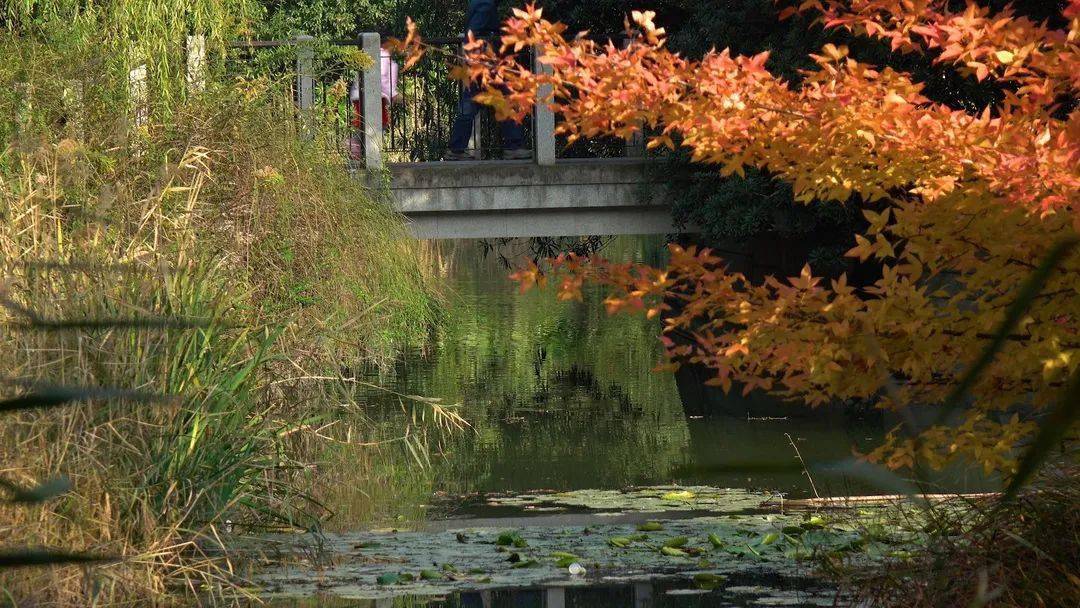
[
  {"x": 643, "y": 547},
  {"x": 561, "y": 397}
]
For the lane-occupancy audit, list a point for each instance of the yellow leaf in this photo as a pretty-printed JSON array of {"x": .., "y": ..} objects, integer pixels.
[{"x": 895, "y": 99}]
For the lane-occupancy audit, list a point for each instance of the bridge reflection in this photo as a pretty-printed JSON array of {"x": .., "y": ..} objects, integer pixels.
[{"x": 739, "y": 591}]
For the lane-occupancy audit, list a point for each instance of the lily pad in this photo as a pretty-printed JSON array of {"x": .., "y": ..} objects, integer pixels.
[
  {"x": 708, "y": 580},
  {"x": 613, "y": 548},
  {"x": 387, "y": 579},
  {"x": 676, "y": 542},
  {"x": 565, "y": 562},
  {"x": 507, "y": 538}
]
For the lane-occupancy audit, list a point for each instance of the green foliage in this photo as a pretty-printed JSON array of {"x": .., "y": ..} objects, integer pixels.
[
  {"x": 343, "y": 19},
  {"x": 733, "y": 212},
  {"x": 126, "y": 34}
]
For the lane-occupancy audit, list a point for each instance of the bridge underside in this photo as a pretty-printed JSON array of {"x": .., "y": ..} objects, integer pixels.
[
  {"x": 493, "y": 199},
  {"x": 528, "y": 223}
]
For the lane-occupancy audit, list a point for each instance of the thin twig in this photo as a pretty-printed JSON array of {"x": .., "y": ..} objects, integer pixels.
[{"x": 803, "y": 463}]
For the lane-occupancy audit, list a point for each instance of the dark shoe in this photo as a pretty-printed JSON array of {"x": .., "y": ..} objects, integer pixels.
[
  {"x": 518, "y": 154},
  {"x": 459, "y": 155}
]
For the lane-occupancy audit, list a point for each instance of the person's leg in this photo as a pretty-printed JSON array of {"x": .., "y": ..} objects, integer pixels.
[
  {"x": 513, "y": 135},
  {"x": 513, "y": 139},
  {"x": 461, "y": 132}
]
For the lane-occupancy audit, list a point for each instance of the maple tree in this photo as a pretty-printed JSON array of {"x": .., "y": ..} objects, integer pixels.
[{"x": 961, "y": 207}]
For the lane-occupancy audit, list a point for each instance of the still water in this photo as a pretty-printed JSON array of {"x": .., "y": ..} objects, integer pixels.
[{"x": 561, "y": 396}]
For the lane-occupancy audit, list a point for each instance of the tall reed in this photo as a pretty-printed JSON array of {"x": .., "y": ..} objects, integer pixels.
[{"x": 200, "y": 256}]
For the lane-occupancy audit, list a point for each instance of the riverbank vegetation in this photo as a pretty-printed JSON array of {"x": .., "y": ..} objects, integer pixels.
[
  {"x": 1018, "y": 553},
  {"x": 177, "y": 265}
]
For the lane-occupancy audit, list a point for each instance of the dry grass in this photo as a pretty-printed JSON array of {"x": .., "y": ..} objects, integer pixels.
[
  {"x": 200, "y": 257},
  {"x": 1022, "y": 554}
]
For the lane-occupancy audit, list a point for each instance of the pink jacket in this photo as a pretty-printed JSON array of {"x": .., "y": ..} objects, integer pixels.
[{"x": 390, "y": 70}]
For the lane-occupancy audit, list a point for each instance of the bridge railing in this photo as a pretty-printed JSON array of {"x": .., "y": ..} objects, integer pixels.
[
  {"x": 312, "y": 77},
  {"x": 339, "y": 100},
  {"x": 421, "y": 121}
]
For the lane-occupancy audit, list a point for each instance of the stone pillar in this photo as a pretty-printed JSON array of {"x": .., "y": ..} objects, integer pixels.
[
  {"x": 643, "y": 595},
  {"x": 72, "y": 98},
  {"x": 544, "y": 117},
  {"x": 476, "y": 143},
  {"x": 371, "y": 102},
  {"x": 635, "y": 144},
  {"x": 139, "y": 95},
  {"x": 196, "y": 63},
  {"x": 24, "y": 107},
  {"x": 555, "y": 597},
  {"x": 305, "y": 83}
]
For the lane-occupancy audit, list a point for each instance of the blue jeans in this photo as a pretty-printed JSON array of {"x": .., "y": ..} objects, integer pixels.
[{"x": 513, "y": 136}]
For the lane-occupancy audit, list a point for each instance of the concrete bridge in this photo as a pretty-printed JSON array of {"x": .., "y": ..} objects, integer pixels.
[
  {"x": 545, "y": 196},
  {"x": 491, "y": 199}
]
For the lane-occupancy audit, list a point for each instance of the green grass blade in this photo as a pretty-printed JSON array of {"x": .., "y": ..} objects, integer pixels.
[
  {"x": 46, "y": 557},
  {"x": 1051, "y": 431},
  {"x": 872, "y": 474},
  {"x": 1029, "y": 290},
  {"x": 39, "y": 493},
  {"x": 93, "y": 324},
  {"x": 44, "y": 396}
]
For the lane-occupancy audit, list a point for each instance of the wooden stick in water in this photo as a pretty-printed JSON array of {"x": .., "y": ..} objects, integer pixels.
[{"x": 840, "y": 502}]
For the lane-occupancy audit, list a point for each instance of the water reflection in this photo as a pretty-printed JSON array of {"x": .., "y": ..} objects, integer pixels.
[
  {"x": 562, "y": 396},
  {"x": 666, "y": 593}
]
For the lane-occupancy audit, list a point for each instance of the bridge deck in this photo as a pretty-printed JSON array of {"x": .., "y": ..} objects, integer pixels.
[{"x": 491, "y": 199}]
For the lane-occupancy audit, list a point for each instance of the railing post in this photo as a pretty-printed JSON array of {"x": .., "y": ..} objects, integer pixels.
[
  {"x": 72, "y": 97},
  {"x": 371, "y": 101},
  {"x": 196, "y": 63},
  {"x": 305, "y": 82},
  {"x": 24, "y": 107},
  {"x": 635, "y": 144},
  {"x": 138, "y": 93},
  {"x": 477, "y": 141},
  {"x": 642, "y": 595},
  {"x": 544, "y": 116}
]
